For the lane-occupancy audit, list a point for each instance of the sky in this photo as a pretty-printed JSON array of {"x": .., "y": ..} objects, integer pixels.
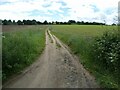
[{"x": 60, "y": 10}]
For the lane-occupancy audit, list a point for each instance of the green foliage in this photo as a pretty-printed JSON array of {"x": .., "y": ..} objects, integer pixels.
[
  {"x": 107, "y": 53},
  {"x": 20, "y": 49},
  {"x": 83, "y": 42}
]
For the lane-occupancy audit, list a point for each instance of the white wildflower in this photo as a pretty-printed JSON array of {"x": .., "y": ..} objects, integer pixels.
[
  {"x": 112, "y": 60},
  {"x": 3, "y": 36},
  {"x": 110, "y": 57}
]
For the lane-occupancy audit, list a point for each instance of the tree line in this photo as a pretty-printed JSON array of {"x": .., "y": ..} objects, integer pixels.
[{"x": 34, "y": 22}]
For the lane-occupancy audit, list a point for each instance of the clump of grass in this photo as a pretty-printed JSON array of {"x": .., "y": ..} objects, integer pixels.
[
  {"x": 58, "y": 45},
  {"x": 51, "y": 40},
  {"x": 20, "y": 49}
]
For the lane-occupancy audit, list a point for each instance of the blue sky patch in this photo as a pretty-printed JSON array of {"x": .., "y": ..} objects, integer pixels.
[
  {"x": 109, "y": 11},
  {"x": 63, "y": 3},
  {"x": 46, "y": 5},
  {"x": 38, "y": 13},
  {"x": 3, "y": 3},
  {"x": 95, "y": 8}
]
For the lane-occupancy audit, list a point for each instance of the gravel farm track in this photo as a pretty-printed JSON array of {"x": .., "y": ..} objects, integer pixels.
[{"x": 56, "y": 67}]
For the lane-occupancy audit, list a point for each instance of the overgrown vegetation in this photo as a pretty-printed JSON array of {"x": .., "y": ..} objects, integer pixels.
[
  {"x": 20, "y": 49},
  {"x": 98, "y": 51},
  {"x": 107, "y": 54}
]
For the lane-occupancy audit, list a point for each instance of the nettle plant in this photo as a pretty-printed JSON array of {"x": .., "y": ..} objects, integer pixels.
[{"x": 107, "y": 51}]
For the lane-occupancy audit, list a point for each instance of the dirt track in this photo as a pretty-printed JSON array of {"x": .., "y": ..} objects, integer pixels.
[{"x": 56, "y": 68}]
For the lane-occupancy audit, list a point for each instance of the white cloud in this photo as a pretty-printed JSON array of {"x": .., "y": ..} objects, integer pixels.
[
  {"x": 88, "y": 10},
  {"x": 82, "y": 9}
]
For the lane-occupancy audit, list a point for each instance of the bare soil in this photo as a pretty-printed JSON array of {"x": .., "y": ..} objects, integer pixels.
[{"x": 56, "y": 68}]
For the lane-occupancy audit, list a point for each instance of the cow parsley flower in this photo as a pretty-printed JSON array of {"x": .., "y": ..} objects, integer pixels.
[{"x": 3, "y": 36}]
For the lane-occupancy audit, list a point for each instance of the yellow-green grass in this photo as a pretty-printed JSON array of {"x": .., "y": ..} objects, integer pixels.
[
  {"x": 80, "y": 38},
  {"x": 20, "y": 48}
]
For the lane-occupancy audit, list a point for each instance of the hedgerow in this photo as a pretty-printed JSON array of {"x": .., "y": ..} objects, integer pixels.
[{"x": 107, "y": 52}]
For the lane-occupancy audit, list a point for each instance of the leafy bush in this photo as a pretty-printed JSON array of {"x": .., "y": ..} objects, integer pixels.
[{"x": 107, "y": 52}]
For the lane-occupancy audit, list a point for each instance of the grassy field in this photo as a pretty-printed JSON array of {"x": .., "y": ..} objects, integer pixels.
[
  {"x": 21, "y": 46},
  {"x": 81, "y": 38}
]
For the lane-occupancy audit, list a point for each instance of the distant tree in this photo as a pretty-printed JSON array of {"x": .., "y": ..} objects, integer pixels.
[
  {"x": 113, "y": 24},
  {"x": 78, "y": 22},
  {"x": 53, "y": 22},
  {"x": 5, "y": 22},
  {"x": 38, "y": 22},
  {"x": 86, "y": 23},
  {"x": 14, "y": 23},
  {"x": 0, "y": 22},
  {"x": 19, "y": 22},
  {"x": 82, "y": 22},
  {"x": 45, "y": 22},
  {"x": 25, "y": 22},
  {"x": 34, "y": 22},
  {"x": 49, "y": 23},
  {"x": 71, "y": 22},
  {"x": 9, "y": 22},
  {"x": 65, "y": 23},
  {"x": 28, "y": 22},
  {"x": 57, "y": 22}
]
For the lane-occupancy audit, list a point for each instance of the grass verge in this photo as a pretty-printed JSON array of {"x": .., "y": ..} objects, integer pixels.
[{"x": 20, "y": 49}]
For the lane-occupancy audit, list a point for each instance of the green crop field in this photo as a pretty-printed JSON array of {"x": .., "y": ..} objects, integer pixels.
[
  {"x": 81, "y": 40},
  {"x": 21, "y": 46}
]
